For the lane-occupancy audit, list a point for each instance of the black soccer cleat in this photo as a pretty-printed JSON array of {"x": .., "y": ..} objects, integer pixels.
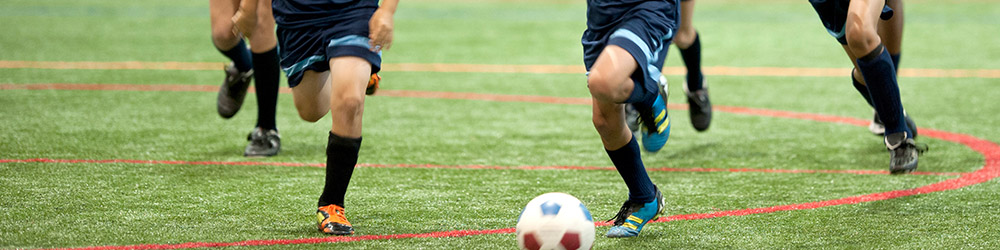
[
  {"x": 877, "y": 128},
  {"x": 233, "y": 91},
  {"x": 699, "y": 107},
  {"x": 263, "y": 143},
  {"x": 904, "y": 153}
]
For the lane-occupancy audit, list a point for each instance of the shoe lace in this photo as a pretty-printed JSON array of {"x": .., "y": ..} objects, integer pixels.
[{"x": 622, "y": 214}]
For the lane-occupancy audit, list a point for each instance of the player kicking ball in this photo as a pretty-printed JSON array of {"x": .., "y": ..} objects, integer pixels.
[
  {"x": 624, "y": 48},
  {"x": 856, "y": 24},
  {"x": 330, "y": 51}
]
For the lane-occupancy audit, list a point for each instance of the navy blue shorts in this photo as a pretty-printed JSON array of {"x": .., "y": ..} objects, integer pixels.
[
  {"x": 833, "y": 13},
  {"x": 645, "y": 32},
  {"x": 310, "y": 47}
]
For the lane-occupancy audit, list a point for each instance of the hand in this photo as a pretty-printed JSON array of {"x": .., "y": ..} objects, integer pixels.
[
  {"x": 380, "y": 33},
  {"x": 244, "y": 22}
]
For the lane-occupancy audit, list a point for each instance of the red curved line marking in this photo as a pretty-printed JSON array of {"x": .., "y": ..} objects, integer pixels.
[
  {"x": 372, "y": 165},
  {"x": 989, "y": 171}
]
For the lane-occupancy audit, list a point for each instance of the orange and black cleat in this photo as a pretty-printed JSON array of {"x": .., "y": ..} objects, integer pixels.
[
  {"x": 373, "y": 84},
  {"x": 332, "y": 220}
]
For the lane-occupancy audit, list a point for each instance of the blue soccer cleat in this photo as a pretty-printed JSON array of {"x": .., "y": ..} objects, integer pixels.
[
  {"x": 656, "y": 129},
  {"x": 633, "y": 216}
]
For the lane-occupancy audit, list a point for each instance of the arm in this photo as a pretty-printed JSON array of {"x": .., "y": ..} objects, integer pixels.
[
  {"x": 245, "y": 19},
  {"x": 380, "y": 33}
]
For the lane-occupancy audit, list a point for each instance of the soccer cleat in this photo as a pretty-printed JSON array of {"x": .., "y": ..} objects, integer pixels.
[
  {"x": 373, "y": 84},
  {"x": 877, "y": 128},
  {"x": 263, "y": 143},
  {"x": 332, "y": 220},
  {"x": 903, "y": 153},
  {"x": 233, "y": 91},
  {"x": 699, "y": 107},
  {"x": 656, "y": 122},
  {"x": 633, "y": 216}
]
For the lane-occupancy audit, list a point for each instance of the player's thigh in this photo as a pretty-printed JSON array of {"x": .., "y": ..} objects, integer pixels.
[
  {"x": 263, "y": 37},
  {"x": 221, "y": 13},
  {"x": 349, "y": 78},
  {"x": 312, "y": 95}
]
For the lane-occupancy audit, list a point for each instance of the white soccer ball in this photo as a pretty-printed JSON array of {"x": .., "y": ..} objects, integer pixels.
[{"x": 555, "y": 221}]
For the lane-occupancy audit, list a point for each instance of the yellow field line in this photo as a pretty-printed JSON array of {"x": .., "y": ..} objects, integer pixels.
[{"x": 499, "y": 68}]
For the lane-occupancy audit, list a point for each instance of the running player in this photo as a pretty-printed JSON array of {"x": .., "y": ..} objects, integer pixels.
[
  {"x": 330, "y": 51},
  {"x": 855, "y": 24},
  {"x": 624, "y": 47},
  {"x": 259, "y": 62}
]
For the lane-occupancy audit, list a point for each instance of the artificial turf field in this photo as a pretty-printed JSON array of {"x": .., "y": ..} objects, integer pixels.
[{"x": 98, "y": 153}]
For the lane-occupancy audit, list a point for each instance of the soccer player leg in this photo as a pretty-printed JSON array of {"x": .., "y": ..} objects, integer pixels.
[
  {"x": 876, "y": 67},
  {"x": 610, "y": 83},
  {"x": 891, "y": 31},
  {"x": 349, "y": 77},
  {"x": 645, "y": 45},
  {"x": 264, "y": 139},
  {"x": 695, "y": 89},
  {"x": 238, "y": 73}
]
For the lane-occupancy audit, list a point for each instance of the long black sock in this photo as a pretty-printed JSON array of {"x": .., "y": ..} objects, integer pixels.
[
  {"x": 240, "y": 56},
  {"x": 895, "y": 61},
  {"x": 863, "y": 90},
  {"x": 629, "y": 165},
  {"x": 692, "y": 60},
  {"x": 266, "y": 78},
  {"x": 880, "y": 76},
  {"x": 341, "y": 156}
]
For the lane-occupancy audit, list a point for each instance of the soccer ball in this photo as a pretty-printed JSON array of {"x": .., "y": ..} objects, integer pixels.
[{"x": 555, "y": 221}]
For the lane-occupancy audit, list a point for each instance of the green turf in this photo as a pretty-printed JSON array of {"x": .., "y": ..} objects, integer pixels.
[{"x": 46, "y": 205}]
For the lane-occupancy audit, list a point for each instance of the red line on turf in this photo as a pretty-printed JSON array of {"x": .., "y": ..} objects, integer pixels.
[
  {"x": 431, "y": 166},
  {"x": 989, "y": 171}
]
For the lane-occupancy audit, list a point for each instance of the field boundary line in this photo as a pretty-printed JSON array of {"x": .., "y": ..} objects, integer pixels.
[{"x": 512, "y": 68}]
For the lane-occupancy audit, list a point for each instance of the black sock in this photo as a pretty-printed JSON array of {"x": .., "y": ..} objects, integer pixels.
[
  {"x": 692, "y": 60},
  {"x": 341, "y": 156},
  {"x": 629, "y": 164},
  {"x": 266, "y": 78},
  {"x": 863, "y": 90},
  {"x": 895, "y": 61},
  {"x": 240, "y": 56},
  {"x": 880, "y": 76}
]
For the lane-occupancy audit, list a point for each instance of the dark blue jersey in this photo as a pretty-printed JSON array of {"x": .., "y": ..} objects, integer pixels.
[{"x": 319, "y": 13}]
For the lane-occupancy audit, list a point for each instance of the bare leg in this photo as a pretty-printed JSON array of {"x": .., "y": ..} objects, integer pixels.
[
  {"x": 891, "y": 30},
  {"x": 686, "y": 33},
  {"x": 222, "y": 25},
  {"x": 348, "y": 80},
  {"x": 610, "y": 85},
  {"x": 263, "y": 38},
  {"x": 312, "y": 95}
]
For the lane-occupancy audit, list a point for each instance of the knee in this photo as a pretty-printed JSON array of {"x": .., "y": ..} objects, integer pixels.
[
  {"x": 224, "y": 38},
  {"x": 603, "y": 86},
  {"x": 685, "y": 37},
  {"x": 861, "y": 39},
  {"x": 348, "y": 106},
  {"x": 600, "y": 123},
  {"x": 310, "y": 113}
]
